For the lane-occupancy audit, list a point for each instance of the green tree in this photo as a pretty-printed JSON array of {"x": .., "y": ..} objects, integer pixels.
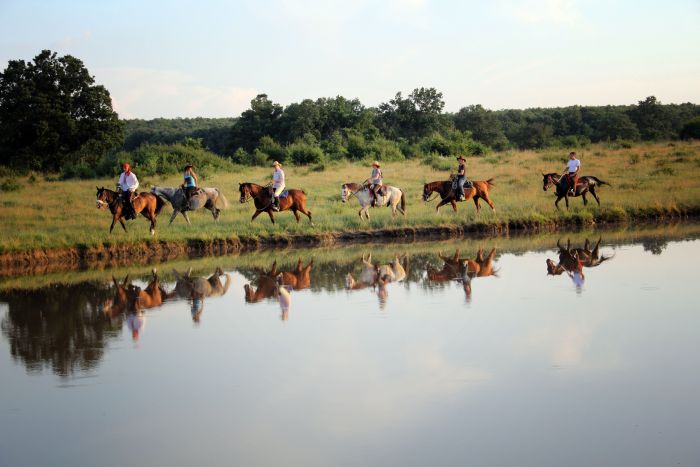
[
  {"x": 418, "y": 115},
  {"x": 262, "y": 119},
  {"x": 52, "y": 112},
  {"x": 652, "y": 119},
  {"x": 691, "y": 130},
  {"x": 482, "y": 124}
]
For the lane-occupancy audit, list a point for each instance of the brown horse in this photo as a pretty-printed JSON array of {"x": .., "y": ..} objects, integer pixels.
[
  {"x": 269, "y": 282},
  {"x": 572, "y": 259},
  {"x": 586, "y": 184},
  {"x": 479, "y": 190},
  {"x": 149, "y": 205},
  {"x": 131, "y": 298},
  {"x": 294, "y": 201}
]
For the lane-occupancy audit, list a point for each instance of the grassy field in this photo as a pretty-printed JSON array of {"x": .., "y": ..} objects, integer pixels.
[{"x": 647, "y": 179}]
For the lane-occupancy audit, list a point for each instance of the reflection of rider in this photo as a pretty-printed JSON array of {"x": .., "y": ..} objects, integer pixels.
[
  {"x": 375, "y": 181},
  {"x": 461, "y": 177},
  {"x": 572, "y": 167},
  {"x": 197, "y": 306},
  {"x": 284, "y": 298},
  {"x": 190, "y": 184},
  {"x": 136, "y": 322},
  {"x": 277, "y": 185},
  {"x": 577, "y": 276},
  {"x": 128, "y": 183}
]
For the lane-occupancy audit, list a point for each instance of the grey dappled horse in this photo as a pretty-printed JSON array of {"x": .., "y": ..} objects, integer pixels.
[{"x": 204, "y": 198}]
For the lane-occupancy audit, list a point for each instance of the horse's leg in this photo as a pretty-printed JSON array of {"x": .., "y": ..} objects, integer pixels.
[
  {"x": 121, "y": 221},
  {"x": 187, "y": 217},
  {"x": 152, "y": 217},
  {"x": 444, "y": 202},
  {"x": 585, "y": 201},
  {"x": 566, "y": 198},
  {"x": 269, "y": 213},
  {"x": 255, "y": 214},
  {"x": 114, "y": 219},
  {"x": 486, "y": 198},
  {"x": 296, "y": 214},
  {"x": 592, "y": 190},
  {"x": 216, "y": 212},
  {"x": 476, "y": 203},
  {"x": 556, "y": 203},
  {"x": 173, "y": 216}
]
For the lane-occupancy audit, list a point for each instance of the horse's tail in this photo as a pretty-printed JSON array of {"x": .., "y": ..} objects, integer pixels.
[
  {"x": 403, "y": 201},
  {"x": 223, "y": 199},
  {"x": 489, "y": 182},
  {"x": 599, "y": 181},
  {"x": 159, "y": 204}
]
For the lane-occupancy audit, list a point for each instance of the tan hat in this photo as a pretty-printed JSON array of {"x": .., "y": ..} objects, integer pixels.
[
  {"x": 276, "y": 163},
  {"x": 376, "y": 163},
  {"x": 461, "y": 158}
]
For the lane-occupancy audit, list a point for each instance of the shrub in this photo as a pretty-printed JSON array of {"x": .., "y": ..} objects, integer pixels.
[
  {"x": 302, "y": 153},
  {"x": 10, "y": 184},
  {"x": 274, "y": 150},
  {"x": 691, "y": 130},
  {"x": 79, "y": 170},
  {"x": 259, "y": 159}
]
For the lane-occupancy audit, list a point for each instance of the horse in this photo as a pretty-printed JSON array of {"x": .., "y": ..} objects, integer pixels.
[
  {"x": 294, "y": 201},
  {"x": 586, "y": 183},
  {"x": 197, "y": 289},
  {"x": 131, "y": 298},
  {"x": 204, "y": 198},
  {"x": 377, "y": 275},
  {"x": 463, "y": 270},
  {"x": 391, "y": 197},
  {"x": 268, "y": 283},
  {"x": 576, "y": 258},
  {"x": 149, "y": 205},
  {"x": 479, "y": 190}
]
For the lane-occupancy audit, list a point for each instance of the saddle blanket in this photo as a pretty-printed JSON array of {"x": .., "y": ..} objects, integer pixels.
[{"x": 284, "y": 194}]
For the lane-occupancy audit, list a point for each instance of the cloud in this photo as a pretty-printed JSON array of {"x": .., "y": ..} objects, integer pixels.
[
  {"x": 150, "y": 93},
  {"x": 542, "y": 11}
]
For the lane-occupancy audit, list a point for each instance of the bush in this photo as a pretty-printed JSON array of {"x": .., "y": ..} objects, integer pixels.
[
  {"x": 384, "y": 150},
  {"x": 274, "y": 150},
  {"x": 80, "y": 170},
  {"x": 10, "y": 184},
  {"x": 691, "y": 130},
  {"x": 259, "y": 159},
  {"x": 302, "y": 153}
]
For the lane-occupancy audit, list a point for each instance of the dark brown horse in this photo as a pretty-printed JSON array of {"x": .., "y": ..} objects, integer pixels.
[
  {"x": 149, "y": 205},
  {"x": 571, "y": 259},
  {"x": 268, "y": 282},
  {"x": 479, "y": 190},
  {"x": 294, "y": 201},
  {"x": 586, "y": 183}
]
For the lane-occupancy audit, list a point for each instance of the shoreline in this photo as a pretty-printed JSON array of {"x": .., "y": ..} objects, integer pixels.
[{"x": 109, "y": 255}]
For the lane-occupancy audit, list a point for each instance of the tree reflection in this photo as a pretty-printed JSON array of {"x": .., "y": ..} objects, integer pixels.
[{"x": 61, "y": 327}]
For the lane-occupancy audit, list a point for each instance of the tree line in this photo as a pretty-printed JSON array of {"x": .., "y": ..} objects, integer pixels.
[{"x": 53, "y": 115}]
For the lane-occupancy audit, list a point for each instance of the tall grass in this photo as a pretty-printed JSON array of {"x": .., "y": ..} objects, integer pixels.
[{"x": 646, "y": 179}]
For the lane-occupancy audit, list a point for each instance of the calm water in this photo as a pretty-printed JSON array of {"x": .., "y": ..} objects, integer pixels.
[{"x": 499, "y": 364}]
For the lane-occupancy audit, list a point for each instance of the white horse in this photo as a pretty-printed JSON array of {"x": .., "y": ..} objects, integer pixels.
[
  {"x": 392, "y": 197},
  {"x": 204, "y": 198}
]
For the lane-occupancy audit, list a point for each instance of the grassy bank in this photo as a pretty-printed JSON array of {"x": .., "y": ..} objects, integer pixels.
[{"x": 649, "y": 181}]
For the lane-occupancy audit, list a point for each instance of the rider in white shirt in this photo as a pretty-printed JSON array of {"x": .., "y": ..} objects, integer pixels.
[
  {"x": 277, "y": 185},
  {"x": 128, "y": 183},
  {"x": 573, "y": 167}
]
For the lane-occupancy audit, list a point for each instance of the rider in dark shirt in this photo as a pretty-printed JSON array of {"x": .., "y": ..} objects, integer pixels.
[{"x": 461, "y": 177}]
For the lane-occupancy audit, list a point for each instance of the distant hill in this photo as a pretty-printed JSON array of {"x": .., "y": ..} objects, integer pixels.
[{"x": 214, "y": 132}]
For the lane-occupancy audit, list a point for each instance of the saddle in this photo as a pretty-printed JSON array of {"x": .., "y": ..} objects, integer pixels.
[{"x": 284, "y": 194}]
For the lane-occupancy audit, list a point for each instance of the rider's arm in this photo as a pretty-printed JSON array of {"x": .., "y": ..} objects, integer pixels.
[
  {"x": 196, "y": 180},
  {"x": 135, "y": 184}
]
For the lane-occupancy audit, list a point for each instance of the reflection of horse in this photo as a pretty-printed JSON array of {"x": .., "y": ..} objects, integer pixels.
[
  {"x": 204, "y": 198},
  {"x": 147, "y": 204},
  {"x": 575, "y": 259},
  {"x": 586, "y": 183},
  {"x": 479, "y": 190},
  {"x": 391, "y": 197},
  {"x": 131, "y": 298},
  {"x": 268, "y": 282},
  {"x": 463, "y": 269},
  {"x": 377, "y": 275},
  {"x": 199, "y": 288},
  {"x": 294, "y": 201}
]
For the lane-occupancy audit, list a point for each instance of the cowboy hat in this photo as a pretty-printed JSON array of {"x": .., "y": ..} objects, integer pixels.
[
  {"x": 276, "y": 163},
  {"x": 461, "y": 158},
  {"x": 376, "y": 163}
]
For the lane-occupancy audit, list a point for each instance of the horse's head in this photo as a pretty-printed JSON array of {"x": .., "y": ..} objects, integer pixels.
[
  {"x": 102, "y": 197},
  {"x": 346, "y": 190},
  {"x": 548, "y": 180},
  {"x": 244, "y": 189},
  {"x": 428, "y": 189},
  {"x": 554, "y": 269}
]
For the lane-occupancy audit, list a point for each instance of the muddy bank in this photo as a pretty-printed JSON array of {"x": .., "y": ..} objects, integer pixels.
[{"x": 40, "y": 261}]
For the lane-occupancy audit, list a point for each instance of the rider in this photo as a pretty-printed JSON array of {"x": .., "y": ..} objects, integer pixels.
[
  {"x": 375, "y": 181},
  {"x": 572, "y": 167},
  {"x": 190, "y": 184},
  {"x": 128, "y": 183},
  {"x": 277, "y": 185},
  {"x": 462, "y": 177}
]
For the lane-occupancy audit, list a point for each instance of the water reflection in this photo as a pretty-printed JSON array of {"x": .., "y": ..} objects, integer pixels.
[
  {"x": 573, "y": 260},
  {"x": 277, "y": 284},
  {"x": 196, "y": 289},
  {"x": 463, "y": 270},
  {"x": 377, "y": 275}
]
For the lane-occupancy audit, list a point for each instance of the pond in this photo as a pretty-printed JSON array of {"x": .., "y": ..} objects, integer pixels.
[{"x": 566, "y": 349}]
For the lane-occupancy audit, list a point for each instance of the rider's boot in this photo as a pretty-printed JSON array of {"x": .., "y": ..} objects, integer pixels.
[{"x": 275, "y": 203}]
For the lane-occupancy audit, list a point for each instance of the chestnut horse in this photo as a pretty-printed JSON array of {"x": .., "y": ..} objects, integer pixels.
[
  {"x": 479, "y": 190},
  {"x": 149, "y": 205},
  {"x": 586, "y": 183},
  {"x": 294, "y": 201}
]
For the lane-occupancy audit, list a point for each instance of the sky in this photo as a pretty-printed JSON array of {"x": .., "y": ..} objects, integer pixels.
[{"x": 210, "y": 58}]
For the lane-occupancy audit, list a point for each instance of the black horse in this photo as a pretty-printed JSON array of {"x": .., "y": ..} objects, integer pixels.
[{"x": 586, "y": 184}]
